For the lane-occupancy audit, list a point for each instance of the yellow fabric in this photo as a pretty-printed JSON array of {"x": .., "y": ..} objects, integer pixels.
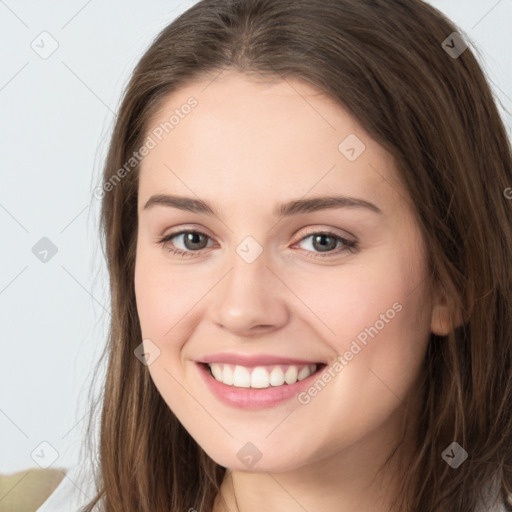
[{"x": 27, "y": 490}]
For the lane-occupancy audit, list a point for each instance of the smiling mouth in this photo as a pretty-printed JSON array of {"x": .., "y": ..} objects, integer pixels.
[{"x": 261, "y": 377}]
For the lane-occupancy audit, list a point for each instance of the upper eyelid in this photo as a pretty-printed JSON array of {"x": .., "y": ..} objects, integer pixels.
[
  {"x": 309, "y": 229},
  {"x": 309, "y": 232}
]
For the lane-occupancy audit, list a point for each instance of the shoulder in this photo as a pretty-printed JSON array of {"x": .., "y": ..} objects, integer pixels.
[{"x": 29, "y": 489}]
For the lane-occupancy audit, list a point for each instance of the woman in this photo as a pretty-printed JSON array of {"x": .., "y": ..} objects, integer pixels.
[{"x": 307, "y": 220}]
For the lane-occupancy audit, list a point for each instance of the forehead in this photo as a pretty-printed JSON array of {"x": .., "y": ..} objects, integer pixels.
[{"x": 259, "y": 140}]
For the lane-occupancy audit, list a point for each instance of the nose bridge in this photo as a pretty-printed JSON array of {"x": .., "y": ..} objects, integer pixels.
[
  {"x": 249, "y": 295},
  {"x": 249, "y": 274}
]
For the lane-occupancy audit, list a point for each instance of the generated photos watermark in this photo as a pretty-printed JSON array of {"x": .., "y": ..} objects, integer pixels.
[
  {"x": 342, "y": 360},
  {"x": 150, "y": 143}
]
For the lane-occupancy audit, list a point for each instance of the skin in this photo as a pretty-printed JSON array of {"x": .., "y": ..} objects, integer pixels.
[{"x": 246, "y": 147}]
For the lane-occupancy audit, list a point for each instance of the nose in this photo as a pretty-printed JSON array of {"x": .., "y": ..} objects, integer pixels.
[{"x": 250, "y": 300}]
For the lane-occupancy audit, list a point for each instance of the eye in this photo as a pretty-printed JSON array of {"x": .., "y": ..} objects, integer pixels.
[
  {"x": 192, "y": 240},
  {"x": 323, "y": 243}
]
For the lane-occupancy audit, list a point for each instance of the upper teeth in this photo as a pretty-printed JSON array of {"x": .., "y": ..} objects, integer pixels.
[{"x": 260, "y": 376}]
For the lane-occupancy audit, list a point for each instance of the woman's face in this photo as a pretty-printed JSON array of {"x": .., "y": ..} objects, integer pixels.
[{"x": 279, "y": 278}]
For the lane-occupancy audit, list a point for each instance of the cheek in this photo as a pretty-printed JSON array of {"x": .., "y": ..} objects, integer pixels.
[
  {"x": 378, "y": 319},
  {"x": 350, "y": 298},
  {"x": 164, "y": 295},
  {"x": 150, "y": 297},
  {"x": 375, "y": 314}
]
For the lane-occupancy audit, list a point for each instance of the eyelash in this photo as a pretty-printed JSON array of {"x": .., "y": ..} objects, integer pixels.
[{"x": 350, "y": 246}]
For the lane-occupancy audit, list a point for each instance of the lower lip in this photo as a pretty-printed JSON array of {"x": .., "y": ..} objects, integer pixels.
[{"x": 252, "y": 398}]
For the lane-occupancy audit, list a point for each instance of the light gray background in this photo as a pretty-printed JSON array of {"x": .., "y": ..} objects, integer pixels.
[{"x": 56, "y": 118}]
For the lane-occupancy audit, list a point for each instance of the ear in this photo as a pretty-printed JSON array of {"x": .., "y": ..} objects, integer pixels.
[
  {"x": 440, "y": 322},
  {"x": 443, "y": 319}
]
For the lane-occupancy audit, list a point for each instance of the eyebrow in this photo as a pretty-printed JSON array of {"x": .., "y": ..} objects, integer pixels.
[{"x": 295, "y": 207}]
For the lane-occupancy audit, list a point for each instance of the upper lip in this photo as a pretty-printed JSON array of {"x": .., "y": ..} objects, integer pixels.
[{"x": 254, "y": 360}]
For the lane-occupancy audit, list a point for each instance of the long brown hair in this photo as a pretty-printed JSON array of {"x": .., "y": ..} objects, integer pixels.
[{"x": 388, "y": 63}]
